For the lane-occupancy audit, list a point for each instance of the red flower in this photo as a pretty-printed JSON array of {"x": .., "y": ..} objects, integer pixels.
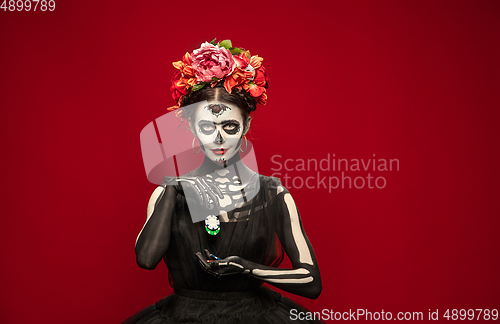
[
  {"x": 242, "y": 60},
  {"x": 258, "y": 92},
  {"x": 261, "y": 78},
  {"x": 177, "y": 88}
]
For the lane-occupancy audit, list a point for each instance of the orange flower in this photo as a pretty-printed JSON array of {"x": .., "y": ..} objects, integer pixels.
[
  {"x": 256, "y": 62},
  {"x": 262, "y": 99},
  {"x": 237, "y": 78},
  {"x": 185, "y": 66},
  {"x": 184, "y": 79}
]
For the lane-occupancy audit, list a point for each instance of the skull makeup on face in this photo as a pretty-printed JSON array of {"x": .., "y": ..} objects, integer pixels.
[{"x": 219, "y": 128}]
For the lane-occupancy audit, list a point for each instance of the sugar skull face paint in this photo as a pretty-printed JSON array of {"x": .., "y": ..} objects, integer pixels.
[
  {"x": 217, "y": 109},
  {"x": 219, "y": 128}
]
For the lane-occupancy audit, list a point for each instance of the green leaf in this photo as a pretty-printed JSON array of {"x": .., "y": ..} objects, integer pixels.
[
  {"x": 226, "y": 44},
  {"x": 215, "y": 79},
  {"x": 235, "y": 50},
  {"x": 199, "y": 86},
  {"x": 213, "y": 42}
]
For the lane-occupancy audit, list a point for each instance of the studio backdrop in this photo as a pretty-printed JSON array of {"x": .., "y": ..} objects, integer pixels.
[{"x": 381, "y": 120}]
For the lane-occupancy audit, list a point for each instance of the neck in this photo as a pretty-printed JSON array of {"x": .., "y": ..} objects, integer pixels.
[{"x": 231, "y": 168}]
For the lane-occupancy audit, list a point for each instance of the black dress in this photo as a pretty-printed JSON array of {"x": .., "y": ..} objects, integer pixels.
[{"x": 200, "y": 297}]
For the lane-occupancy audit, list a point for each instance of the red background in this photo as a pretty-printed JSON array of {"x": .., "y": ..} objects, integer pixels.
[{"x": 410, "y": 80}]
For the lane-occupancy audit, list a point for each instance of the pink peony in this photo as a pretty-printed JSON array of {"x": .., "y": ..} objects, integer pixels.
[{"x": 211, "y": 61}]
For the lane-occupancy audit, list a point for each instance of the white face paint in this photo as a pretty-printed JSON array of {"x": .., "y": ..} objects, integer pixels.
[{"x": 219, "y": 127}]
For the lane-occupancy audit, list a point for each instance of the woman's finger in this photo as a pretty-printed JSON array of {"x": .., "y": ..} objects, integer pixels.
[
  {"x": 191, "y": 190},
  {"x": 212, "y": 198},
  {"x": 216, "y": 190},
  {"x": 201, "y": 194},
  {"x": 205, "y": 192},
  {"x": 207, "y": 254},
  {"x": 212, "y": 192},
  {"x": 202, "y": 259},
  {"x": 204, "y": 264},
  {"x": 207, "y": 265}
]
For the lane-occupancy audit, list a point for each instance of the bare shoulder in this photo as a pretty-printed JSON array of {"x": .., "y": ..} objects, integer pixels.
[{"x": 155, "y": 196}]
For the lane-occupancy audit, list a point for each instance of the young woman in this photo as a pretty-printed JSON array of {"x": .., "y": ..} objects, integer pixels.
[{"x": 217, "y": 266}]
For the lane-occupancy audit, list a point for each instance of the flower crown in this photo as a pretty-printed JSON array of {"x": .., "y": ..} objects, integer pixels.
[{"x": 216, "y": 62}]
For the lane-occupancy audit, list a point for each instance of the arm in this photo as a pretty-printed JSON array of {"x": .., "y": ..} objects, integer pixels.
[
  {"x": 303, "y": 280},
  {"x": 152, "y": 242},
  {"x": 154, "y": 238}
]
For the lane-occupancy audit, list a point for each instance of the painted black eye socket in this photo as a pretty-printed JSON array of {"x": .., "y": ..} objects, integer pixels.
[
  {"x": 232, "y": 128},
  {"x": 207, "y": 128}
]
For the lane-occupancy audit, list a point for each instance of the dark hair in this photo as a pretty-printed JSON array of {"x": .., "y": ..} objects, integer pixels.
[{"x": 242, "y": 99}]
